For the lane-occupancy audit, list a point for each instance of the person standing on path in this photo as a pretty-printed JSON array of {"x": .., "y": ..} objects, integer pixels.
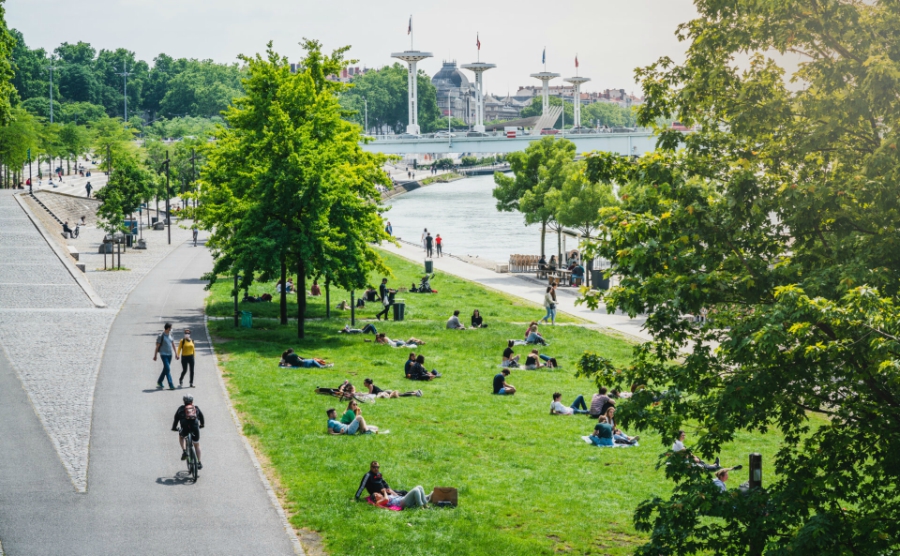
[
  {"x": 549, "y": 305},
  {"x": 186, "y": 352},
  {"x": 424, "y": 233},
  {"x": 429, "y": 246},
  {"x": 438, "y": 241},
  {"x": 88, "y": 188},
  {"x": 165, "y": 348},
  {"x": 385, "y": 294},
  {"x": 195, "y": 232}
]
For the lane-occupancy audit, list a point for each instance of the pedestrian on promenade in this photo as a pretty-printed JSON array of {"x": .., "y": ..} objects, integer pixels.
[
  {"x": 438, "y": 241},
  {"x": 385, "y": 294},
  {"x": 88, "y": 188},
  {"x": 195, "y": 232},
  {"x": 186, "y": 352},
  {"x": 165, "y": 348},
  {"x": 424, "y": 233},
  {"x": 389, "y": 229},
  {"x": 429, "y": 246}
]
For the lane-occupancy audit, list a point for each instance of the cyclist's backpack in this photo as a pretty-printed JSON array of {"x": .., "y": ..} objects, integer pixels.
[{"x": 190, "y": 411}]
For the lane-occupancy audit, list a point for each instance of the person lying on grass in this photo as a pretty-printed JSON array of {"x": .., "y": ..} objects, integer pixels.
[
  {"x": 603, "y": 433},
  {"x": 358, "y": 426},
  {"x": 418, "y": 372},
  {"x": 501, "y": 387},
  {"x": 365, "y": 330},
  {"x": 453, "y": 322},
  {"x": 533, "y": 361},
  {"x": 510, "y": 359},
  {"x": 381, "y": 338},
  {"x": 373, "y": 482},
  {"x": 379, "y": 393},
  {"x": 619, "y": 436},
  {"x": 534, "y": 337},
  {"x": 292, "y": 360},
  {"x": 415, "y": 498},
  {"x": 577, "y": 407}
]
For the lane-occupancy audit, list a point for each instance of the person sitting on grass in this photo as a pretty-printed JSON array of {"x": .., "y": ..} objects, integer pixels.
[
  {"x": 477, "y": 320},
  {"x": 453, "y": 322},
  {"x": 315, "y": 290},
  {"x": 379, "y": 393},
  {"x": 531, "y": 325},
  {"x": 292, "y": 360},
  {"x": 577, "y": 407},
  {"x": 600, "y": 403},
  {"x": 534, "y": 337},
  {"x": 412, "y": 342},
  {"x": 619, "y": 436},
  {"x": 603, "y": 433},
  {"x": 678, "y": 446},
  {"x": 533, "y": 361},
  {"x": 358, "y": 425},
  {"x": 501, "y": 387},
  {"x": 343, "y": 306},
  {"x": 721, "y": 478},
  {"x": 418, "y": 372},
  {"x": 365, "y": 330},
  {"x": 510, "y": 359}
]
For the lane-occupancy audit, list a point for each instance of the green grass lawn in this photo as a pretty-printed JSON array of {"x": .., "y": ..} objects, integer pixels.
[{"x": 527, "y": 483}]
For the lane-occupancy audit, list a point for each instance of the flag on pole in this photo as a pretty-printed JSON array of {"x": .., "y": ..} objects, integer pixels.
[
  {"x": 409, "y": 30},
  {"x": 544, "y": 56},
  {"x": 477, "y": 41},
  {"x": 576, "y": 60}
]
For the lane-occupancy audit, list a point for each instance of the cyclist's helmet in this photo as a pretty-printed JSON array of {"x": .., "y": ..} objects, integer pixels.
[{"x": 188, "y": 399}]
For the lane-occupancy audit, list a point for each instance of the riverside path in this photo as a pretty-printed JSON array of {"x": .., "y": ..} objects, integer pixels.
[{"x": 135, "y": 497}]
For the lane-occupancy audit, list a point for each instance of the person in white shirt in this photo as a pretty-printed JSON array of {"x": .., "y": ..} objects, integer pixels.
[
  {"x": 678, "y": 446},
  {"x": 578, "y": 406}
]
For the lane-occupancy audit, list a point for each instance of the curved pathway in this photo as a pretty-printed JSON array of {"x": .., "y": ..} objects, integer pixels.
[{"x": 137, "y": 500}]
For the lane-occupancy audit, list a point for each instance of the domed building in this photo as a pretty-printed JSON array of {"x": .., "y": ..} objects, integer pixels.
[{"x": 450, "y": 80}]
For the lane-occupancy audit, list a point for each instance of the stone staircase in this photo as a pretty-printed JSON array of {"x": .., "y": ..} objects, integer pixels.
[{"x": 69, "y": 208}]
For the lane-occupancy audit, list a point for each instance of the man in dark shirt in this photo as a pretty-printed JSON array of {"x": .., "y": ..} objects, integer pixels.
[
  {"x": 385, "y": 294},
  {"x": 191, "y": 420},
  {"x": 501, "y": 388},
  {"x": 429, "y": 245},
  {"x": 415, "y": 369},
  {"x": 373, "y": 482}
]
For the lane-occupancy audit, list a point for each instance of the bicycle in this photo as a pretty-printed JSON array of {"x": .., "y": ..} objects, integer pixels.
[{"x": 192, "y": 460}]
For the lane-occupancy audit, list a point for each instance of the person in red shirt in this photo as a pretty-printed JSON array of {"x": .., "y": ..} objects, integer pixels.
[{"x": 438, "y": 241}]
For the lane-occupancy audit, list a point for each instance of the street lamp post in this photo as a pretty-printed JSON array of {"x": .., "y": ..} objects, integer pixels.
[
  {"x": 125, "y": 75},
  {"x": 365, "y": 100},
  {"x": 51, "y": 69}
]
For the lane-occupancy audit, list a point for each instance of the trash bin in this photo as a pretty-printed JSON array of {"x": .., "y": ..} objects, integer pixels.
[
  {"x": 154, "y": 220},
  {"x": 246, "y": 319},
  {"x": 429, "y": 266},
  {"x": 128, "y": 240},
  {"x": 399, "y": 309},
  {"x": 598, "y": 282}
]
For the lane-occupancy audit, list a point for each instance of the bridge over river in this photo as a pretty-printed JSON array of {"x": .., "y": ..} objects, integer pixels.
[{"x": 638, "y": 142}]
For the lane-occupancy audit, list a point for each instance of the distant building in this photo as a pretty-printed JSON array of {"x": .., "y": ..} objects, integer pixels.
[
  {"x": 614, "y": 96},
  {"x": 346, "y": 75},
  {"x": 502, "y": 109},
  {"x": 452, "y": 82}
]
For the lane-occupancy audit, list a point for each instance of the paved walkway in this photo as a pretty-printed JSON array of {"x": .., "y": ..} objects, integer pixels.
[
  {"x": 133, "y": 498},
  {"x": 525, "y": 288}
]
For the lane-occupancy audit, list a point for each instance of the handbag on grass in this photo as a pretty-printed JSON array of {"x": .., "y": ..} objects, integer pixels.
[{"x": 445, "y": 494}]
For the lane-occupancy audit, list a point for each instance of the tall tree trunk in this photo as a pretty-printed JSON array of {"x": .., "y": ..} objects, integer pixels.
[
  {"x": 327, "y": 298},
  {"x": 283, "y": 297},
  {"x": 543, "y": 236},
  {"x": 559, "y": 252},
  {"x": 301, "y": 296}
]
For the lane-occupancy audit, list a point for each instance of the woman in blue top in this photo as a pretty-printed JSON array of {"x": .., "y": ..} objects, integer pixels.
[{"x": 603, "y": 433}]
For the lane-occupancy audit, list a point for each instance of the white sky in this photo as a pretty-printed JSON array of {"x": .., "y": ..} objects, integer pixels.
[{"x": 611, "y": 37}]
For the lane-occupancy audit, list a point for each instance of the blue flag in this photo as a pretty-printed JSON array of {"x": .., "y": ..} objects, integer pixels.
[{"x": 544, "y": 56}]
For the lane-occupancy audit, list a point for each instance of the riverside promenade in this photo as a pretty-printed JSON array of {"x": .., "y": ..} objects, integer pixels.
[
  {"x": 88, "y": 463},
  {"x": 528, "y": 289}
]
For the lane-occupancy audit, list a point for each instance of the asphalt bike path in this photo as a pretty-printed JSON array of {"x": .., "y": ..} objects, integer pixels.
[{"x": 139, "y": 497}]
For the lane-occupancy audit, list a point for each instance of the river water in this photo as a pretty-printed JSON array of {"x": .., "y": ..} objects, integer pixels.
[{"x": 465, "y": 214}]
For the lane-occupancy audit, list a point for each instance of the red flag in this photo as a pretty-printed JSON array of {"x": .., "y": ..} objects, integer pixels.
[
  {"x": 477, "y": 41},
  {"x": 576, "y": 60}
]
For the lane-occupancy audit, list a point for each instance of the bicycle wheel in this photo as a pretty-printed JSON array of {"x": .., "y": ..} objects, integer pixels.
[{"x": 194, "y": 467}]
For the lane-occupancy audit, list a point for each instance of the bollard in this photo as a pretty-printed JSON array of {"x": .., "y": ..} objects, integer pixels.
[{"x": 755, "y": 470}]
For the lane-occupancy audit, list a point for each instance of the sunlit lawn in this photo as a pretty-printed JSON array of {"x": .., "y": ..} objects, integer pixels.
[{"x": 528, "y": 484}]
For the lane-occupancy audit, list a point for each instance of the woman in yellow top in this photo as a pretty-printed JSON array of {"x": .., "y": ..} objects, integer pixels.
[{"x": 186, "y": 352}]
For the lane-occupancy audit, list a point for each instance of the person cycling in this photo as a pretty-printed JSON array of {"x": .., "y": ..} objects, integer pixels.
[{"x": 191, "y": 419}]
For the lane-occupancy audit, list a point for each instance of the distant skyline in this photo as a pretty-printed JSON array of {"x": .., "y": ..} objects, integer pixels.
[{"x": 610, "y": 38}]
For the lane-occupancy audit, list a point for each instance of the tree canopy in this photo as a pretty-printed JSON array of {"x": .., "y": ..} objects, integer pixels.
[
  {"x": 778, "y": 217},
  {"x": 286, "y": 185},
  {"x": 386, "y": 92}
]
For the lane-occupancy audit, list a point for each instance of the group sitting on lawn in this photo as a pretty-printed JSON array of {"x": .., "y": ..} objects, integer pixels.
[
  {"x": 382, "y": 339},
  {"x": 382, "y": 495},
  {"x": 294, "y": 361},
  {"x": 357, "y": 425},
  {"x": 415, "y": 369}
]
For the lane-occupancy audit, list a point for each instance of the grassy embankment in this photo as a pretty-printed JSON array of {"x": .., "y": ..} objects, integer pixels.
[{"x": 528, "y": 484}]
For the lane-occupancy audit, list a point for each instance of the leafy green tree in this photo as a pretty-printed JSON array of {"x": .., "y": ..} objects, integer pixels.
[
  {"x": 286, "y": 185},
  {"x": 202, "y": 88},
  {"x": 7, "y": 91},
  {"x": 107, "y": 66},
  {"x": 599, "y": 113},
  {"x": 40, "y": 107},
  {"x": 77, "y": 112},
  {"x": 778, "y": 217},
  {"x": 111, "y": 137},
  {"x": 30, "y": 78},
  {"x": 74, "y": 141},
  {"x": 537, "y": 171}
]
